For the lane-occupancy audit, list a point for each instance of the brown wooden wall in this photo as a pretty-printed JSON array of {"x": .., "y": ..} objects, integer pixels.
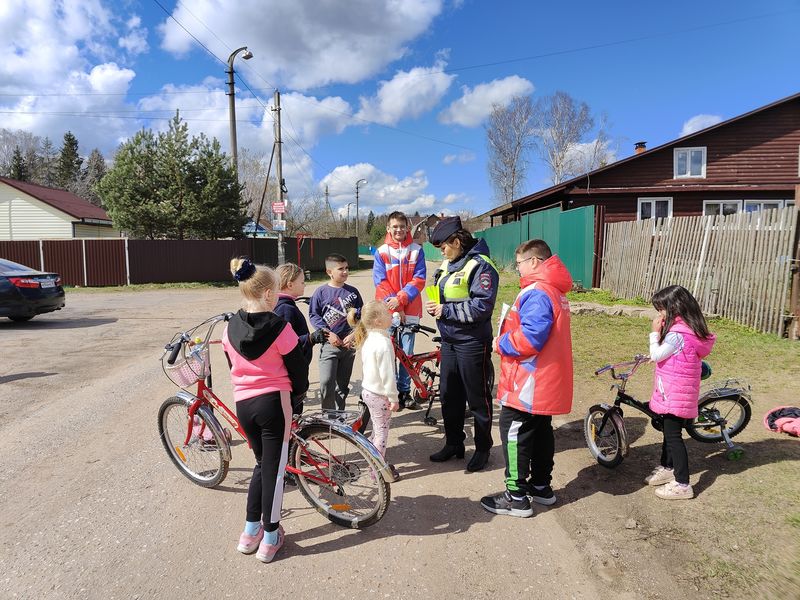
[{"x": 760, "y": 149}]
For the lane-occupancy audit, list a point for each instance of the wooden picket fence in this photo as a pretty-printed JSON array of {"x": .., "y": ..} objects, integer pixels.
[{"x": 737, "y": 266}]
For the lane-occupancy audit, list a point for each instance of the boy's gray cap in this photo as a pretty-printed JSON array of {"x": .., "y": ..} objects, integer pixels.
[{"x": 445, "y": 229}]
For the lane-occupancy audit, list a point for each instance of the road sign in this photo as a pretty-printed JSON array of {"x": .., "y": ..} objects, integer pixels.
[
  {"x": 279, "y": 225},
  {"x": 279, "y": 208}
]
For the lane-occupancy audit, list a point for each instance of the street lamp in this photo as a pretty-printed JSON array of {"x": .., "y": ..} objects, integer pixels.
[
  {"x": 359, "y": 182},
  {"x": 232, "y": 107},
  {"x": 347, "y": 222}
]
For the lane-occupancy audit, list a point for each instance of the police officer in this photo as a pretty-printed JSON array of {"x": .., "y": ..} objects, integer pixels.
[{"x": 467, "y": 282}]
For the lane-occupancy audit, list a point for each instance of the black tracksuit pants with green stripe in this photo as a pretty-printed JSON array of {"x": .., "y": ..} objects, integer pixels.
[{"x": 528, "y": 448}]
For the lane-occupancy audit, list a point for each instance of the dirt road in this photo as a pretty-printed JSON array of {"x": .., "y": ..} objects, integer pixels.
[{"x": 92, "y": 508}]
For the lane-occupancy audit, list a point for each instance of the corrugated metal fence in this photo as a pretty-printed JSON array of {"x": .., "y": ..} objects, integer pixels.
[
  {"x": 96, "y": 262},
  {"x": 737, "y": 266},
  {"x": 570, "y": 234}
]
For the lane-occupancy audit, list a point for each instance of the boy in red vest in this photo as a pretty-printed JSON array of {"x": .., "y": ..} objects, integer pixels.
[{"x": 535, "y": 349}]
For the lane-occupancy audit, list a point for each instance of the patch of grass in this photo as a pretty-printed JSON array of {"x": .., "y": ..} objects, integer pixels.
[
  {"x": 604, "y": 297},
  {"x": 794, "y": 520}
]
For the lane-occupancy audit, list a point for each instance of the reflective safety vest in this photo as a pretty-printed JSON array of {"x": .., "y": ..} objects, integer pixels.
[{"x": 456, "y": 284}]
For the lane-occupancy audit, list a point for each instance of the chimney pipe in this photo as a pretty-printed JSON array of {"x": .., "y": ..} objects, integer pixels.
[{"x": 640, "y": 147}]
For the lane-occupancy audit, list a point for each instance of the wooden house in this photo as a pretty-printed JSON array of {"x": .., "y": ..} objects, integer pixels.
[
  {"x": 747, "y": 163},
  {"x": 33, "y": 212}
]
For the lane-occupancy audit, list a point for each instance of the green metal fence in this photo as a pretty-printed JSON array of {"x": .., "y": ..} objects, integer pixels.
[{"x": 570, "y": 234}]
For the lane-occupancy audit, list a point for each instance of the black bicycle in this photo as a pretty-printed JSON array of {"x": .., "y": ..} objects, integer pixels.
[{"x": 723, "y": 412}]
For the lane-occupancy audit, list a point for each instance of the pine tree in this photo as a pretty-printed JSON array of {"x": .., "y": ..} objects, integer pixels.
[
  {"x": 19, "y": 170},
  {"x": 44, "y": 172},
  {"x": 91, "y": 176},
  {"x": 170, "y": 186},
  {"x": 370, "y": 220},
  {"x": 69, "y": 162}
]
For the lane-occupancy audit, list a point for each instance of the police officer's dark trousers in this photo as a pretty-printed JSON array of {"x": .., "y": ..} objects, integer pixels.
[{"x": 465, "y": 373}]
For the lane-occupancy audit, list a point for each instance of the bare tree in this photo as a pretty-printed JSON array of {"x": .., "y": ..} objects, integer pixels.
[
  {"x": 597, "y": 153},
  {"x": 252, "y": 167},
  {"x": 561, "y": 124},
  {"x": 509, "y": 138},
  {"x": 310, "y": 214}
]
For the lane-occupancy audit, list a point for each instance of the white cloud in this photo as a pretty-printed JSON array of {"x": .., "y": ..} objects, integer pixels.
[
  {"x": 305, "y": 44},
  {"x": 476, "y": 103},
  {"x": 463, "y": 157},
  {"x": 306, "y": 118},
  {"x": 698, "y": 122},
  {"x": 408, "y": 94},
  {"x": 585, "y": 157},
  {"x": 135, "y": 42},
  {"x": 385, "y": 192}
]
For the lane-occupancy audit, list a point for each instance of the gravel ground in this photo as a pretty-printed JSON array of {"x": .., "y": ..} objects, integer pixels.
[{"x": 92, "y": 507}]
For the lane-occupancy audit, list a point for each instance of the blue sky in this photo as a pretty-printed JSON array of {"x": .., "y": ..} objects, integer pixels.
[{"x": 392, "y": 91}]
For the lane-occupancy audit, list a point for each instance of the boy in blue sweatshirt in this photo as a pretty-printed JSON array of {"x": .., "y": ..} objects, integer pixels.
[{"x": 328, "y": 313}]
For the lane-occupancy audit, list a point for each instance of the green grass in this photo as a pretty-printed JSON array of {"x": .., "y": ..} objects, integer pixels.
[{"x": 144, "y": 287}]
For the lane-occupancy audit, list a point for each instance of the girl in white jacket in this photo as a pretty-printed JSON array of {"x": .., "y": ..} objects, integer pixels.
[{"x": 378, "y": 380}]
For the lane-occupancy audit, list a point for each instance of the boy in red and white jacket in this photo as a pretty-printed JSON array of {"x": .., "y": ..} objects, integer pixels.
[
  {"x": 399, "y": 273},
  {"x": 535, "y": 348}
]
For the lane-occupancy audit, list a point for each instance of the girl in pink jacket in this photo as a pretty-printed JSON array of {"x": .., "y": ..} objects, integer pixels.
[{"x": 678, "y": 342}]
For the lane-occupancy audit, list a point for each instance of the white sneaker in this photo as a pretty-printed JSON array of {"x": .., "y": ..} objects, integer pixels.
[
  {"x": 675, "y": 491},
  {"x": 660, "y": 476}
]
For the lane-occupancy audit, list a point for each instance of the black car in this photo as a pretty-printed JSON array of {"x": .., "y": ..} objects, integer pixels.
[{"x": 26, "y": 292}]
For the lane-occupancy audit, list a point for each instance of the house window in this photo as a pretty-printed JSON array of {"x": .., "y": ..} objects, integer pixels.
[
  {"x": 690, "y": 162},
  {"x": 721, "y": 207},
  {"x": 754, "y": 205},
  {"x": 659, "y": 208}
]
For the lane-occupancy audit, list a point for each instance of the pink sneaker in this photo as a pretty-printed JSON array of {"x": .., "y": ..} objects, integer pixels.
[
  {"x": 675, "y": 491},
  {"x": 249, "y": 543},
  {"x": 266, "y": 552},
  {"x": 660, "y": 476}
]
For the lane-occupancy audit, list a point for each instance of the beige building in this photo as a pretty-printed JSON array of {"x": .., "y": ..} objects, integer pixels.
[{"x": 34, "y": 212}]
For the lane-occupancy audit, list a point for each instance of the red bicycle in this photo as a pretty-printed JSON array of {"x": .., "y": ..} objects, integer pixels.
[
  {"x": 336, "y": 468},
  {"x": 423, "y": 368}
]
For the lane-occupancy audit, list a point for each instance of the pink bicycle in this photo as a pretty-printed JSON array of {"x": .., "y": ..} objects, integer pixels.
[{"x": 337, "y": 469}]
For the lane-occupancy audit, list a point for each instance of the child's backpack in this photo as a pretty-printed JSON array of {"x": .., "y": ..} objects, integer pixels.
[{"x": 784, "y": 419}]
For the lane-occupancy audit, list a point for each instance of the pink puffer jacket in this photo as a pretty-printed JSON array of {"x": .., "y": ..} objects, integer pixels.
[{"x": 676, "y": 385}]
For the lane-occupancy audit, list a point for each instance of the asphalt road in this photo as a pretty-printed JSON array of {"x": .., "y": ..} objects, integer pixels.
[{"x": 91, "y": 506}]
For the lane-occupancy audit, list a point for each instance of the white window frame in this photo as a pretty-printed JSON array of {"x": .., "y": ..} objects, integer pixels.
[
  {"x": 653, "y": 200},
  {"x": 782, "y": 203},
  {"x": 688, "y": 174},
  {"x": 739, "y": 205}
]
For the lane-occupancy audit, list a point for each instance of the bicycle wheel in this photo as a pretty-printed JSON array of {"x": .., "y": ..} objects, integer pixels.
[
  {"x": 201, "y": 460},
  {"x": 606, "y": 446},
  {"x": 339, "y": 477},
  {"x": 735, "y": 410}
]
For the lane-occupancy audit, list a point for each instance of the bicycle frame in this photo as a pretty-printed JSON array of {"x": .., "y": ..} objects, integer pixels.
[
  {"x": 205, "y": 401},
  {"x": 413, "y": 363}
]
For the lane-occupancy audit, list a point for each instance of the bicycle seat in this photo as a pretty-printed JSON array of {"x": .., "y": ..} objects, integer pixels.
[{"x": 436, "y": 339}]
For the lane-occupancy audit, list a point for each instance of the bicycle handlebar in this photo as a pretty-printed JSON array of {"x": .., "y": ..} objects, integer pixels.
[
  {"x": 637, "y": 361},
  {"x": 176, "y": 348},
  {"x": 415, "y": 327}
]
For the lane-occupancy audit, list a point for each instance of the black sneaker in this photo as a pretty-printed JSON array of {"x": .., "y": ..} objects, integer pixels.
[
  {"x": 545, "y": 496},
  {"x": 505, "y": 504}
]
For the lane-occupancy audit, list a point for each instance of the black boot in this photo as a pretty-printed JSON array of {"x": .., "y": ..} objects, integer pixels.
[
  {"x": 447, "y": 453},
  {"x": 478, "y": 460},
  {"x": 407, "y": 401}
]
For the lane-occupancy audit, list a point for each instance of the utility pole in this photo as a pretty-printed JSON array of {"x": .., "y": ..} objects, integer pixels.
[{"x": 279, "y": 170}]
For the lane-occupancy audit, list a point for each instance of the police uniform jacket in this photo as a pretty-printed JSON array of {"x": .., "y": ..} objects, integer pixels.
[{"x": 467, "y": 291}]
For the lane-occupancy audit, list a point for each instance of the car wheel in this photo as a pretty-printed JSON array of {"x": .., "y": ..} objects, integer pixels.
[{"x": 20, "y": 318}]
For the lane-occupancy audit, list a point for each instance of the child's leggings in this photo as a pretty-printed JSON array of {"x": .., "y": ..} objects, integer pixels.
[
  {"x": 267, "y": 420},
  {"x": 673, "y": 450},
  {"x": 380, "y": 412}
]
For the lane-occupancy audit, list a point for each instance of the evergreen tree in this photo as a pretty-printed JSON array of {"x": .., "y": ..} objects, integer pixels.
[
  {"x": 69, "y": 163},
  {"x": 44, "y": 172},
  {"x": 19, "y": 170},
  {"x": 370, "y": 220},
  {"x": 170, "y": 186},
  {"x": 95, "y": 171}
]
